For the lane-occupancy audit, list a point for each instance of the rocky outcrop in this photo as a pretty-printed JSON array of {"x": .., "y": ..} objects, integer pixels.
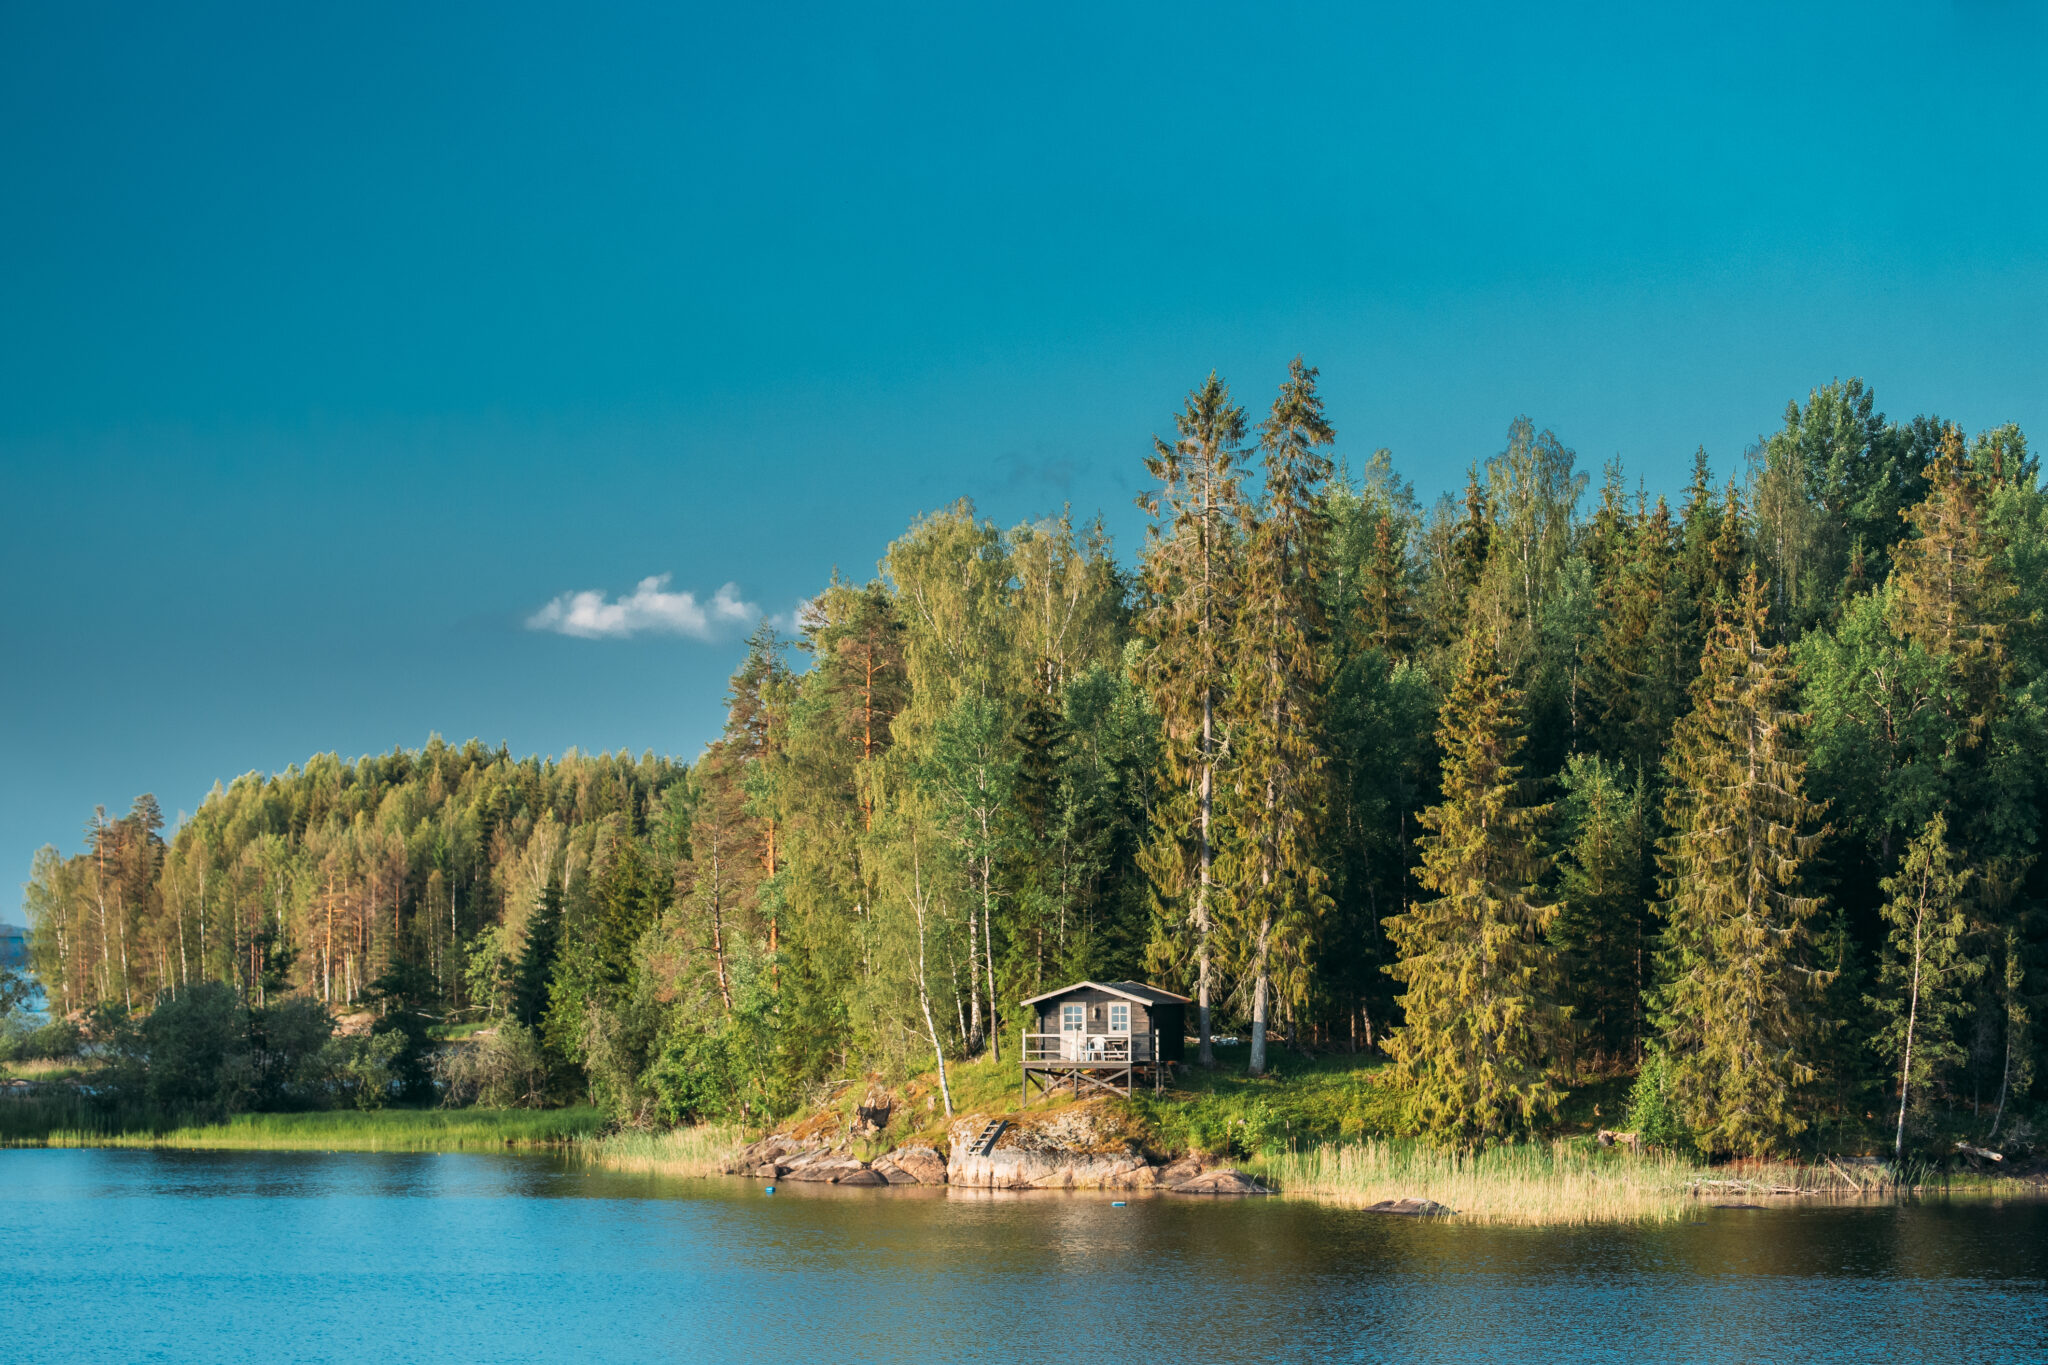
[
  {"x": 1013, "y": 1169},
  {"x": 1084, "y": 1147},
  {"x": 1410, "y": 1208},
  {"x": 913, "y": 1165},
  {"x": 1223, "y": 1180}
]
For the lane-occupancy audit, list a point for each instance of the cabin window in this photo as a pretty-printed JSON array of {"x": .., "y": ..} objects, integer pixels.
[
  {"x": 1119, "y": 1018},
  {"x": 1072, "y": 1019}
]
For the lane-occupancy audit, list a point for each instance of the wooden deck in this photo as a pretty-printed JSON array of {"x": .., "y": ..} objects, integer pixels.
[{"x": 1113, "y": 1063}]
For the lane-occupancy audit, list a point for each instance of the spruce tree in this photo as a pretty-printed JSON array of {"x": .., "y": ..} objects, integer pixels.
[
  {"x": 1950, "y": 591},
  {"x": 1277, "y": 884},
  {"x": 1386, "y": 589},
  {"x": 537, "y": 956},
  {"x": 1925, "y": 966},
  {"x": 1482, "y": 1019},
  {"x": 1599, "y": 931},
  {"x": 1736, "y": 956},
  {"x": 1189, "y": 578}
]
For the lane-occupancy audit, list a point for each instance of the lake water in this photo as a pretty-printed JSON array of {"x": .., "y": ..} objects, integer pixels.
[{"x": 129, "y": 1256}]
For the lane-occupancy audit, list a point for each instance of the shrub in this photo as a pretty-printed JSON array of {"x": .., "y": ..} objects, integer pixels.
[
  {"x": 361, "y": 1069},
  {"x": 503, "y": 1070},
  {"x": 1651, "y": 1112}
]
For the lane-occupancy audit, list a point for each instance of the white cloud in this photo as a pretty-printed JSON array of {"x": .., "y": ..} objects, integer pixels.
[{"x": 650, "y": 607}]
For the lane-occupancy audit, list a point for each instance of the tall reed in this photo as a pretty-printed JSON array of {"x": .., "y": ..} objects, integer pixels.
[
  {"x": 385, "y": 1130},
  {"x": 693, "y": 1151},
  {"x": 1529, "y": 1183}
]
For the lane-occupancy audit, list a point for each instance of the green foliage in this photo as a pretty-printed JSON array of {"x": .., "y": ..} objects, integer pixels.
[
  {"x": 1734, "y": 1009},
  {"x": 1925, "y": 967},
  {"x": 1256, "y": 766},
  {"x": 1653, "y": 1110},
  {"x": 1600, "y": 930},
  {"x": 1482, "y": 1021}
]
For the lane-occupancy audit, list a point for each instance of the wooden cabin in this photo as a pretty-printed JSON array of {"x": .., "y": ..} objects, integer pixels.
[{"x": 1104, "y": 1034}]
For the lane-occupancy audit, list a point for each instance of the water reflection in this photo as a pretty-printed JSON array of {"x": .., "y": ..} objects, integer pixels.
[{"x": 311, "y": 1256}]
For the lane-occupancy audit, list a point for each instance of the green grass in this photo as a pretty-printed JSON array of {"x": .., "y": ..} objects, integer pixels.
[{"x": 383, "y": 1130}]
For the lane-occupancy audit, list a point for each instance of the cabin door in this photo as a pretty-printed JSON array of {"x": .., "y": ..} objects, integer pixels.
[{"x": 1073, "y": 1032}]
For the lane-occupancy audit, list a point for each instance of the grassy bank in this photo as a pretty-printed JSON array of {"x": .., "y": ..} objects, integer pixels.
[{"x": 384, "y": 1130}]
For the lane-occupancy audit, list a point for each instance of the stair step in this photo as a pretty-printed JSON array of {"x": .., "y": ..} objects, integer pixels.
[{"x": 986, "y": 1143}]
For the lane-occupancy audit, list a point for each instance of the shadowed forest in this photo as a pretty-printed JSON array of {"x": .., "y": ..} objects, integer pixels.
[{"x": 1732, "y": 789}]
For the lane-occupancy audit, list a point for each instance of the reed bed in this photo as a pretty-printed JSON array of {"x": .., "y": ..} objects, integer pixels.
[
  {"x": 1556, "y": 1183},
  {"x": 1577, "y": 1183},
  {"x": 384, "y": 1130},
  {"x": 687, "y": 1152}
]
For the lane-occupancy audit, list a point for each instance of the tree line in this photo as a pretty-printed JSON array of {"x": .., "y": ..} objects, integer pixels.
[{"x": 1537, "y": 784}]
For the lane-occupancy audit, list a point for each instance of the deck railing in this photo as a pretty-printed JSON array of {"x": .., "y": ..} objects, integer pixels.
[{"x": 1082, "y": 1049}]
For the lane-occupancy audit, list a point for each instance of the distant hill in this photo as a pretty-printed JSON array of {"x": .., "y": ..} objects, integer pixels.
[{"x": 13, "y": 945}]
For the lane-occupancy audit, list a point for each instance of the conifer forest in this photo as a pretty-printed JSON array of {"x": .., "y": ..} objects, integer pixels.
[{"x": 1735, "y": 787}]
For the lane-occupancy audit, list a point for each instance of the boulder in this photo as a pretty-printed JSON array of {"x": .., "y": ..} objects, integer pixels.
[
  {"x": 769, "y": 1171},
  {"x": 775, "y": 1149},
  {"x": 1183, "y": 1168},
  {"x": 1078, "y": 1149},
  {"x": 1224, "y": 1181},
  {"x": 916, "y": 1165},
  {"x": 864, "y": 1176},
  {"x": 829, "y": 1169},
  {"x": 1411, "y": 1208}
]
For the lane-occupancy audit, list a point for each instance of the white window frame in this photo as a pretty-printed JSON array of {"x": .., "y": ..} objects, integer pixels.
[
  {"x": 1073, "y": 1018},
  {"x": 1115, "y": 1011}
]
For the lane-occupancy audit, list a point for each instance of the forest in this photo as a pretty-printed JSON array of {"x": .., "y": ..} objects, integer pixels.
[{"x": 1735, "y": 791}]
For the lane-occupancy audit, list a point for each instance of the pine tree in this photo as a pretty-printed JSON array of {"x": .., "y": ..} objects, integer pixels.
[
  {"x": 1482, "y": 1020},
  {"x": 1190, "y": 581},
  {"x": 1735, "y": 957},
  {"x": 1926, "y": 965},
  {"x": 1277, "y": 886}
]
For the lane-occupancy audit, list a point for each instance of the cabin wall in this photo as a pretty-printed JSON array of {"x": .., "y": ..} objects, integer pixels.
[{"x": 1098, "y": 1003}]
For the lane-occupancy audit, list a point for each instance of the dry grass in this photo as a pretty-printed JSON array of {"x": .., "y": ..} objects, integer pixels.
[
  {"x": 686, "y": 1152},
  {"x": 1534, "y": 1183},
  {"x": 1576, "y": 1183}
]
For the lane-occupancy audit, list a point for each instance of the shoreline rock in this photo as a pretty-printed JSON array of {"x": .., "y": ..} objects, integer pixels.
[{"x": 1076, "y": 1150}]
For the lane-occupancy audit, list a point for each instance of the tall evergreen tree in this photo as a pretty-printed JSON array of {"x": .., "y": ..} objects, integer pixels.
[
  {"x": 1482, "y": 1019},
  {"x": 1599, "y": 930},
  {"x": 1277, "y": 885},
  {"x": 1190, "y": 577},
  {"x": 1736, "y": 952},
  {"x": 1950, "y": 590}
]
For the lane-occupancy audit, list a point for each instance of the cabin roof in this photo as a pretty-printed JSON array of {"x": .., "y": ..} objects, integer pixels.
[{"x": 1129, "y": 990}]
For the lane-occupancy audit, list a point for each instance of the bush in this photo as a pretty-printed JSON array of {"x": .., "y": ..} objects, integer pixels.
[
  {"x": 361, "y": 1070},
  {"x": 288, "y": 1043},
  {"x": 192, "y": 1053},
  {"x": 504, "y": 1070},
  {"x": 59, "y": 1040},
  {"x": 1651, "y": 1112}
]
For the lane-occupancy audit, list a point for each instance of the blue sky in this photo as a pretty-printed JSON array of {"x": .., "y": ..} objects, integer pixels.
[{"x": 338, "y": 342}]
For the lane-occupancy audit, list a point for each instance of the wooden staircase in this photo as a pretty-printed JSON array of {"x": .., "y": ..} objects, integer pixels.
[{"x": 986, "y": 1143}]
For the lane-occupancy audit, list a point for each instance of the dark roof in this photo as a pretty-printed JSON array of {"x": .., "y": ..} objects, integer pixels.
[{"x": 1130, "y": 990}]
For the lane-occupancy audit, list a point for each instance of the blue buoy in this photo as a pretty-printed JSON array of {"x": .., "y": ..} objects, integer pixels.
[
  {"x": 769, "y": 1190},
  {"x": 1116, "y": 1203}
]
